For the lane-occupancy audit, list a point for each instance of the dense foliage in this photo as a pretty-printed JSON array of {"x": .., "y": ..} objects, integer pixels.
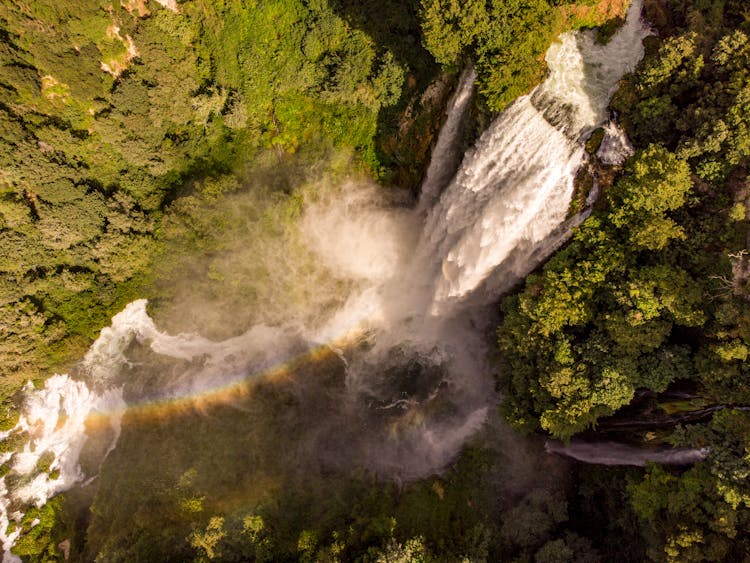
[{"x": 653, "y": 288}]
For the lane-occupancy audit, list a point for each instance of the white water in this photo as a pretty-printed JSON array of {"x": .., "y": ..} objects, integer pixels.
[
  {"x": 411, "y": 285},
  {"x": 613, "y": 453},
  {"x": 444, "y": 159},
  {"x": 55, "y": 419},
  {"x": 584, "y": 74},
  {"x": 615, "y": 148},
  {"x": 514, "y": 188}
]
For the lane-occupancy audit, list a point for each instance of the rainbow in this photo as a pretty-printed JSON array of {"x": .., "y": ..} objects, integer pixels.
[{"x": 236, "y": 391}]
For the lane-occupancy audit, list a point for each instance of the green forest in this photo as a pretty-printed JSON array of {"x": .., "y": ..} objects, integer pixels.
[{"x": 129, "y": 129}]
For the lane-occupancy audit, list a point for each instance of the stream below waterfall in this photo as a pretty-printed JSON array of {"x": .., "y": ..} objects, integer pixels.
[{"x": 396, "y": 377}]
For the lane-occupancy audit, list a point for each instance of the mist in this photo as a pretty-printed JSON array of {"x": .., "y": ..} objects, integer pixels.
[{"x": 403, "y": 388}]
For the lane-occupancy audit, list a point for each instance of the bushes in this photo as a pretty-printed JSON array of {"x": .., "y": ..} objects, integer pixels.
[{"x": 579, "y": 337}]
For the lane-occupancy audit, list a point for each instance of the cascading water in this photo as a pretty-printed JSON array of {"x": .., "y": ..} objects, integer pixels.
[
  {"x": 513, "y": 189},
  {"x": 445, "y": 158},
  {"x": 613, "y": 453},
  {"x": 502, "y": 213},
  {"x": 615, "y": 148}
]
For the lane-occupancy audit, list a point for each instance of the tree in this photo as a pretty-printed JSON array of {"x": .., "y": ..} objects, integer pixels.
[
  {"x": 450, "y": 27},
  {"x": 656, "y": 182}
]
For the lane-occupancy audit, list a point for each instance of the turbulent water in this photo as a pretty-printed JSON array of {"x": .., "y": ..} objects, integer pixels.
[
  {"x": 513, "y": 189},
  {"x": 408, "y": 332},
  {"x": 615, "y": 147},
  {"x": 445, "y": 156}
]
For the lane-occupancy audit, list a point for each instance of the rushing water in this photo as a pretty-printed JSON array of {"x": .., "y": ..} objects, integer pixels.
[
  {"x": 614, "y": 453},
  {"x": 416, "y": 279},
  {"x": 615, "y": 147}
]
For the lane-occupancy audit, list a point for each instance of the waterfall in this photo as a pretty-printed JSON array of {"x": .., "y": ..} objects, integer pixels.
[
  {"x": 614, "y": 453},
  {"x": 407, "y": 279},
  {"x": 513, "y": 189},
  {"x": 445, "y": 158}
]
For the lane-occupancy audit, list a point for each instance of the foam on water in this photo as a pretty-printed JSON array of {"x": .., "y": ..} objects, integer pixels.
[
  {"x": 513, "y": 189},
  {"x": 54, "y": 418},
  {"x": 615, "y": 148}
]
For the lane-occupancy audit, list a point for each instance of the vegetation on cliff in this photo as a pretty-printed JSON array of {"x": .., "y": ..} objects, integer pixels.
[
  {"x": 507, "y": 39},
  {"x": 653, "y": 288}
]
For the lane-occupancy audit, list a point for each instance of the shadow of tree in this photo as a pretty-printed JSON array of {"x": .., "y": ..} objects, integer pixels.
[{"x": 394, "y": 26}]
